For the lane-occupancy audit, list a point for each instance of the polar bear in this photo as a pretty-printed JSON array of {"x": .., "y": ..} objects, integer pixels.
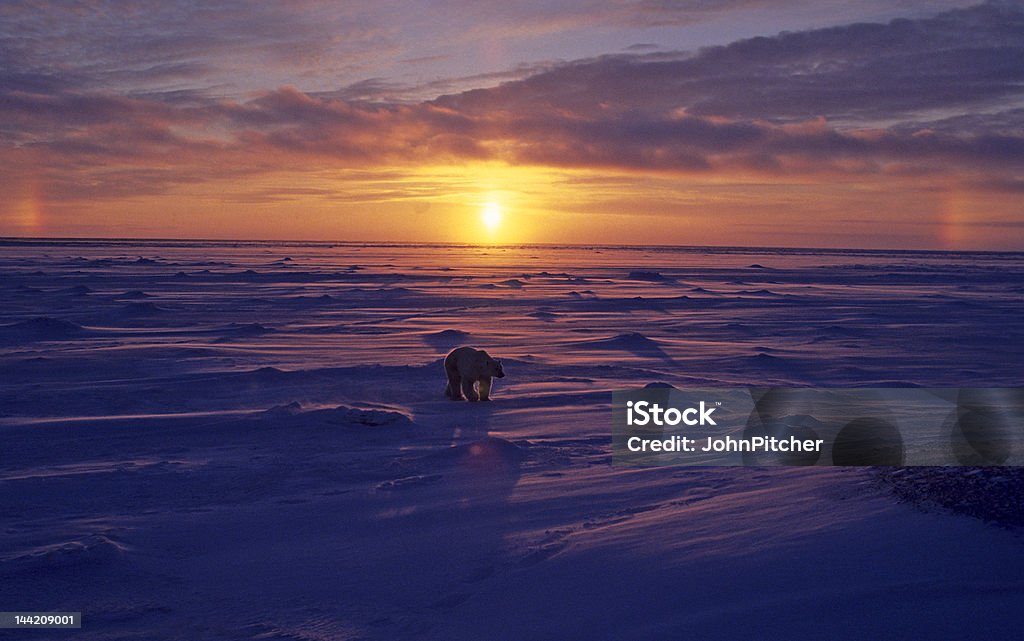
[{"x": 466, "y": 366}]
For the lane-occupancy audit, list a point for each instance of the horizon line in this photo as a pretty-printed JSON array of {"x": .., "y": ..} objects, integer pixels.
[{"x": 399, "y": 243}]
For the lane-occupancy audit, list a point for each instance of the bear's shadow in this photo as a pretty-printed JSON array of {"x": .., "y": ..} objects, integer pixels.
[{"x": 471, "y": 420}]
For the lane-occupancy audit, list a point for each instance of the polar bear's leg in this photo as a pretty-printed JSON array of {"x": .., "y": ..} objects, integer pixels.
[
  {"x": 467, "y": 389},
  {"x": 485, "y": 388},
  {"x": 452, "y": 391}
]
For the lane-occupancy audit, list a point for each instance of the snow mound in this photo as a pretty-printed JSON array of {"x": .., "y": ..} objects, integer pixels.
[
  {"x": 659, "y": 385},
  {"x": 265, "y": 374},
  {"x": 295, "y": 415},
  {"x": 43, "y": 328},
  {"x": 634, "y": 343},
  {"x": 308, "y": 301},
  {"x": 142, "y": 309},
  {"x": 355, "y": 416},
  {"x": 91, "y": 551},
  {"x": 241, "y": 330},
  {"x": 283, "y": 411},
  {"x": 647, "y": 276},
  {"x": 407, "y": 482},
  {"x": 491, "y": 451},
  {"x": 446, "y": 339}
]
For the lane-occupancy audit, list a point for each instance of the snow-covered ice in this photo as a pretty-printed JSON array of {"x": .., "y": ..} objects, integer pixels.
[{"x": 218, "y": 440}]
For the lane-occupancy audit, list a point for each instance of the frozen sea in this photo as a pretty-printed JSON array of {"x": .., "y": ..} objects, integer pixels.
[{"x": 249, "y": 440}]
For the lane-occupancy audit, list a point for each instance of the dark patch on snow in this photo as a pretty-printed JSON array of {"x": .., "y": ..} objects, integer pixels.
[
  {"x": 992, "y": 494},
  {"x": 646, "y": 276}
]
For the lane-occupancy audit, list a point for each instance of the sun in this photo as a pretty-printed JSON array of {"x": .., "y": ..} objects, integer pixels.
[{"x": 491, "y": 215}]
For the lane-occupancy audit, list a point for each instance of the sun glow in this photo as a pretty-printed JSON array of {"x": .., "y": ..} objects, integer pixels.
[{"x": 491, "y": 216}]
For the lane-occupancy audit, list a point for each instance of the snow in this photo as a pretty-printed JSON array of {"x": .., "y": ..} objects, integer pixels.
[{"x": 260, "y": 447}]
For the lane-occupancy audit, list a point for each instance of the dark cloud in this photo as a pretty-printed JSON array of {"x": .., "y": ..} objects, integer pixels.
[
  {"x": 642, "y": 46},
  {"x": 1006, "y": 122},
  {"x": 383, "y": 90},
  {"x": 861, "y": 72}
]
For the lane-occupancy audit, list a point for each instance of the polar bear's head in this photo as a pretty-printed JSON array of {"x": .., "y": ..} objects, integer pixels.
[{"x": 493, "y": 368}]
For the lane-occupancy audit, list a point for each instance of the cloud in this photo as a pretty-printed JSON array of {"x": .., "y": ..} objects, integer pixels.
[
  {"x": 657, "y": 13},
  {"x": 381, "y": 90},
  {"x": 862, "y": 72},
  {"x": 231, "y": 47},
  {"x": 642, "y": 46},
  {"x": 115, "y": 44},
  {"x": 846, "y": 103}
]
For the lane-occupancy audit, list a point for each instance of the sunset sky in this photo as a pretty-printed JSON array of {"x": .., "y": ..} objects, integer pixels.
[{"x": 880, "y": 124}]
